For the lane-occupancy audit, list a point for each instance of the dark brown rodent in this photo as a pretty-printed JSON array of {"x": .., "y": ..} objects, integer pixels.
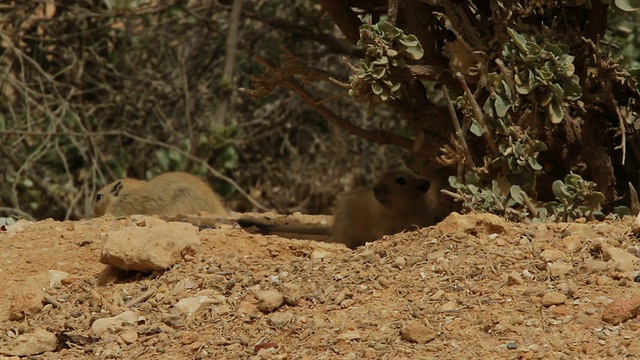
[
  {"x": 167, "y": 194},
  {"x": 396, "y": 203}
]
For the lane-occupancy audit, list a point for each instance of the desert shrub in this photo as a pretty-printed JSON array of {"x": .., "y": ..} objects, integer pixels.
[{"x": 504, "y": 98}]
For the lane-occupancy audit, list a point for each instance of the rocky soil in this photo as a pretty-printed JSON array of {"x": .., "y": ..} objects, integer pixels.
[{"x": 474, "y": 286}]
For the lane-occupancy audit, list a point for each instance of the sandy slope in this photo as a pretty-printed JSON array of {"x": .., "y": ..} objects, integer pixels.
[{"x": 471, "y": 287}]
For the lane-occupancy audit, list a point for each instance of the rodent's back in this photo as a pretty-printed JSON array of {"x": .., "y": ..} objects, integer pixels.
[
  {"x": 167, "y": 194},
  {"x": 397, "y": 202},
  {"x": 183, "y": 193}
]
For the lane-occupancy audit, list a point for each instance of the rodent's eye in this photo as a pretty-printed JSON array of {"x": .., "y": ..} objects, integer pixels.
[
  {"x": 99, "y": 197},
  {"x": 400, "y": 180}
]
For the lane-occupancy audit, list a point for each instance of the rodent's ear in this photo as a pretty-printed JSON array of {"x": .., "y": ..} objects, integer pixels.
[{"x": 116, "y": 188}]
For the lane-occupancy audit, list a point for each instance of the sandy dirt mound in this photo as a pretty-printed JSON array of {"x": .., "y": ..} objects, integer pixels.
[{"x": 473, "y": 286}]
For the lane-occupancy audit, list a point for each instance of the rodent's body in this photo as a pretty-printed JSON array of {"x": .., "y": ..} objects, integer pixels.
[
  {"x": 167, "y": 194},
  {"x": 396, "y": 203}
]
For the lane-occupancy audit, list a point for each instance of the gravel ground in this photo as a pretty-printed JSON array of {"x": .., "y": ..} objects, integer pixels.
[{"x": 474, "y": 286}]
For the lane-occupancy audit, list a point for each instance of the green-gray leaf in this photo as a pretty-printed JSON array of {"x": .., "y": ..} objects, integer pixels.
[
  {"x": 453, "y": 181},
  {"x": 621, "y": 211},
  {"x": 572, "y": 89},
  {"x": 595, "y": 199},
  {"x": 500, "y": 186},
  {"x": 555, "y": 112},
  {"x": 409, "y": 40},
  {"x": 519, "y": 40},
  {"x": 501, "y": 108},
  {"x": 628, "y": 5},
  {"x": 471, "y": 177},
  {"x": 533, "y": 162},
  {"x": 560, "y": 190},
  {"x": 476, "y": 129},
  {"x": 415, "y": 52},
  {"x": 516, "y": 194}
]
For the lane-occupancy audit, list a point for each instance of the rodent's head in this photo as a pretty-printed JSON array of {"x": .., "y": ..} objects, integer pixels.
[
  {"x": 107, "y": 197},
  {"x": 400, "y": 188}
]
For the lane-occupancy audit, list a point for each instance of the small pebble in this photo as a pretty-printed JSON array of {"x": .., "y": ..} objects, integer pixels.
[
  {"x": 553, "y": 298},
  {"x": 512, "y": 345},
  {"x": 416, "y": 332},
  {"x": 448, "y": 306},
  {"x": 230, "y": 285},
  {"x": 269, "y": 300},
  {"x": 129, "y": 336},
  {"x": 460, "y": 235},
  {"x": 591, "y": 311}
]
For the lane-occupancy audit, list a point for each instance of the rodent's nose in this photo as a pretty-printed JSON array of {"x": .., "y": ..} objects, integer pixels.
[
  {"x": 424, "y": 185},
  {"x": 382, "y": 194},
  {"x": 380, "y": 189}
]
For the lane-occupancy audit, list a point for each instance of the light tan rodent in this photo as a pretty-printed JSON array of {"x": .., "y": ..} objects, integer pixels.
[
  {"x": 167, "y": 194},
  {"x": 396, "y": 203}
]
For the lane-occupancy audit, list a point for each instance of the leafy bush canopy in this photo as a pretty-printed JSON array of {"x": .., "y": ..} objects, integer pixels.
[{"x": 504, "y": 98}]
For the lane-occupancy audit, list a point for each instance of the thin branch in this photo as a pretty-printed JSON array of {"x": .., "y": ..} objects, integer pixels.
[
  {"x": 423, "y": 24},
  {"x": 341, "y": 13},
  {"x": 456, "y": 124},
  {"x": 507, "y": 76},
  {"x": 232, "y": 40},
  {"x": 18, "y": 212},
  {"x": 479, "y": 115},
  {"x": 597, "y": 23},
  {"x": 193, "y": 141},
  {"x": 378, "y": 137},
  {"x": 74, "y": 201},
  {"x": 337, "y": 46},
  {"x": 623, "y": 133},
  {"x": 224, "y": 110},
  {"x": 433, "y": 73},
  {"x": 529, "y": 204},
  {"x": 453, "y": 195},
  {"x": 461, "y": 21},
  {"x": 392, "y": 11},
  {"x": 282, "y": 78}
]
